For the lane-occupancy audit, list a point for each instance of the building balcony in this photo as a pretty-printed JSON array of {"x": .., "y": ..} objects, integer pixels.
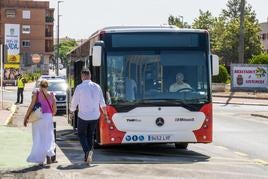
[
  {"x": 49, "y": 49},
  {"x": 49, "y": 34},
  {"x": 49, "y": 19}
]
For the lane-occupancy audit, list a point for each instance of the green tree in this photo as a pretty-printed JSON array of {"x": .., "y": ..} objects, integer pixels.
[
  {"x": 178, "y": 21},
  {"x": 259, "y": 59},
  {"x": 233, "y": 10},
  {"x": 229, "y": 39},
  {"x": 217, "y": 35},
  {"x": 65, "y": 47},
  {"x": 204, "y": 21}
]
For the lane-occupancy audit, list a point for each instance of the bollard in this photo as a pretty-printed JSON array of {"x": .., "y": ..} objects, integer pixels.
[{"x": 53, "y": 158}]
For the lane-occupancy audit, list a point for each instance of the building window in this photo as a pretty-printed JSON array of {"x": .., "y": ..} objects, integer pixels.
[
  {"x": 10, "y": 13},
  {"x": 26, "y": 43},
  {"x": 26, "y": 29},
  {"x": 26, "y": 14}
]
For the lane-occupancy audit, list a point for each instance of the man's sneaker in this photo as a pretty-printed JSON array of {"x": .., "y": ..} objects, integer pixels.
[{"x": 89, "y": 157}]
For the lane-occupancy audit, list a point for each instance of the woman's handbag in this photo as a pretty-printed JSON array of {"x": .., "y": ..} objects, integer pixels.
[{"x": 36, "y": 113}]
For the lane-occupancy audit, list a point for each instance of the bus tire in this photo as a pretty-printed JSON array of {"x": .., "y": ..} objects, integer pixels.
[{"x": 181, "y": 145}]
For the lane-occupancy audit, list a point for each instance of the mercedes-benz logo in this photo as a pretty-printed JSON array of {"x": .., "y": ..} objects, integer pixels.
[{"x": 159, "y": 121}]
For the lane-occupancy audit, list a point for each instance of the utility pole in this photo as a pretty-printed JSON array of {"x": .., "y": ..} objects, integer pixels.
[
  {"x": 58, "y": 40},
  {"x": 241, "y": 33},
  {"x": 2, "y": 72}
]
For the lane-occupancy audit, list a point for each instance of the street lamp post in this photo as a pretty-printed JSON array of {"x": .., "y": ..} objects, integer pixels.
[{"x": 58, "y": 40}]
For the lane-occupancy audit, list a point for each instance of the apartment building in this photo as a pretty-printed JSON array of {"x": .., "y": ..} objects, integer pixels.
[
  {"x": 26, "y": 28},
  {"x": 264, "y": 35}
]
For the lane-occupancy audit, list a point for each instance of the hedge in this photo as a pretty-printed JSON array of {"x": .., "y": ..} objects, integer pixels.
[
  {"x": 222, "y": 77},
  {"x": 259, "y": 59}
]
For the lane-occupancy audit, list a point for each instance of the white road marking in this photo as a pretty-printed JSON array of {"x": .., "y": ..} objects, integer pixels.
[
  {"x": 259, "y": 161},
  {"x": 221, "y": 147},
  {"x": 241, "y": 154},
  {"x": 8, "y": 91}
]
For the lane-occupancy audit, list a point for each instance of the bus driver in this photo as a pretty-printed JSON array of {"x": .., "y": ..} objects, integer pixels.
[{"x": 179, "y": 84}]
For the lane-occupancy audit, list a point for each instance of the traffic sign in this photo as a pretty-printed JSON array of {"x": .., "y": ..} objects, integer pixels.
[{"x": 36, "y": 58}]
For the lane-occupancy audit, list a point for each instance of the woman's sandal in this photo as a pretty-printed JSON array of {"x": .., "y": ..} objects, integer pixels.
[{"x": 49, "y": 161}]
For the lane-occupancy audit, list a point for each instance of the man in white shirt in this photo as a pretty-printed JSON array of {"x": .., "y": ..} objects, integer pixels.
[
  {"x": 179, "y": 85},
  {"x": 88, "y": 97}
]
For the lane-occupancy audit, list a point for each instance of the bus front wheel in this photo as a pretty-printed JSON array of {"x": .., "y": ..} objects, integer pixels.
[{"x": 181, "y": 145}]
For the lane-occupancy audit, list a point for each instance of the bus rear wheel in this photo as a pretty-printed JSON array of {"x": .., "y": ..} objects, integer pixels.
[{"x": 181, "y": 145}]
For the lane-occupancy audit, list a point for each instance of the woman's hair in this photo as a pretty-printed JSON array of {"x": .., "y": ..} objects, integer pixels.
[{"x": 44, "y": 84}]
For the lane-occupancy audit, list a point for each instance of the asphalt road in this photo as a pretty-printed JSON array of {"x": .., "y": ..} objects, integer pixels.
[
  {"x": 10, "y": 92},
  {"x": 236, "y": 129},
  {"x": 239, "y": 150}
]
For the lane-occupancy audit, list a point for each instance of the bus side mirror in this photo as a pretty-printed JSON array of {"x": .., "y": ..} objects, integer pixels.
[
  {"x": 96, "y": 55},
  {"x": 215, "y": 64}
]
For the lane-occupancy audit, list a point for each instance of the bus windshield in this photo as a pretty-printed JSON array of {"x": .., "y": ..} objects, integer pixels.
[{"x": 154, "y": 76}]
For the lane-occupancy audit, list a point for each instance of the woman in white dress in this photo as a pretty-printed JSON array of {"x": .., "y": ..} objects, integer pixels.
[{"x": 42, "y": 130}]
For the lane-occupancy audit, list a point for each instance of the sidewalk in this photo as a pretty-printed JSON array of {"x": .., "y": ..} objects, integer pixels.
[
  {"x": 246, "y": 95},
  {"x": 14, "y": 148},
  {"x": 15, "y": 143},
  {"x": 243, "y": 98},
  {"x": 249, "y": 98}
]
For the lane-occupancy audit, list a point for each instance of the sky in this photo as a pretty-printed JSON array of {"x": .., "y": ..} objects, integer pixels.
[{"x": 80, "y": 18}]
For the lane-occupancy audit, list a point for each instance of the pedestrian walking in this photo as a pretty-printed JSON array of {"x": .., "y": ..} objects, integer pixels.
[
  {"x": 21, "y": 84},
  {"x": 88, "y": 97},
  {"x": 42, "y": 130}
]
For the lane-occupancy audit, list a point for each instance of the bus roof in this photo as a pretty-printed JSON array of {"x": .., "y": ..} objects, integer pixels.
[
  {"x": 164, "y": 28},
  {"x": 124, "y": 29}
]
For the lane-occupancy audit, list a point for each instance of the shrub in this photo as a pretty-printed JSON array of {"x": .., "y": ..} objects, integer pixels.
[
  {"x": 31, "y": 76},
  {"x": 222, "y": 77},
  {"x": 259, "y": 59}
]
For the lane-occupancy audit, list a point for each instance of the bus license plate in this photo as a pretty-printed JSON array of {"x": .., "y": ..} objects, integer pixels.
[{"x": 159, "y": 138}]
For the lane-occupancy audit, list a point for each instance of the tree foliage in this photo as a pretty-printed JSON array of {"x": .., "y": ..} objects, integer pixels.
[
  {"x": 204, "y": 21},
  {"x": 178, "y": 21},
  {"x": 65, "y": 47},
  {"x": 233, "y": 10},
  {"x": 259, "y": 59},
  {"x": 228, "y": 48},
  {"x": 224, "y": 31}
]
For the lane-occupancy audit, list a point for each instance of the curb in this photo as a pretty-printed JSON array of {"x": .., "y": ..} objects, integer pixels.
[
  {"x": 241, "y": 97},
  {"x": 9, "y": 119},
  {"x": 260, "y": 115},
  {"x": 217, "y": 102}
]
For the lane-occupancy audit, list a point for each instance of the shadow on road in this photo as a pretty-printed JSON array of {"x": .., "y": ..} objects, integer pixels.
[
  {"x": 19, "y": 173},
  {"x": 75, "y": 166},
  {"x": 229, "y": 98},
  {"x": 127, "y": 154}
]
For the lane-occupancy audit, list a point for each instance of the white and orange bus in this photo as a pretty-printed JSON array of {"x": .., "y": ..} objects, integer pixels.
[{"x": 137, "y": 68}]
